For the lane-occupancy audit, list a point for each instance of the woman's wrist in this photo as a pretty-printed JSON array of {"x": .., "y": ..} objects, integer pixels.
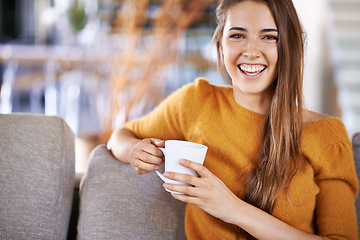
[
  {"x": 236, "y": 214},
  {"x": 262, "y": 225},
  {"x": 121, "y": 143}
]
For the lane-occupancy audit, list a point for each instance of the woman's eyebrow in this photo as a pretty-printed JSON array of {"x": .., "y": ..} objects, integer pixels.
[
  {"x": 269, "y": 30},
  {"x": 265, "y": 30},
  {"x": 238, "y": 29}
]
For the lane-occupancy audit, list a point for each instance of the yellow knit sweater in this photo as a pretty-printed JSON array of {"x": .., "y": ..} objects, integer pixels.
[{"x": 321, "y": 196}]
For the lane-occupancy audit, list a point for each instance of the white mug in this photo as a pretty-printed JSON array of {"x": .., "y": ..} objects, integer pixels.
[{"x": 174, "y": 151}]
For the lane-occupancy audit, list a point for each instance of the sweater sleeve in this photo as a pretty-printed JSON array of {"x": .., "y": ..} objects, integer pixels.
[
  {"x": 163, "y": 122},
  {"x": 338, "y": 187},
  {"x": 171, "y": 118}
]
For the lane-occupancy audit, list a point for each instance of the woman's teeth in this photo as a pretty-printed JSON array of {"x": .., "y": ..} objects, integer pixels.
[{"x": 252, "y": 69}]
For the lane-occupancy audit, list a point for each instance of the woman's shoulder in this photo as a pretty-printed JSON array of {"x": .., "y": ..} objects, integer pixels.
[
  {"x": 313, "y": 120},
  {"x": 311, "y": 117},
  {"x": 203, "y": 84},
  {"x": 320, "y": 131},
  {"x": 197, "y": 86},
  {"x": 326, "y": 145},
  {"x": 203, "y": 89}
]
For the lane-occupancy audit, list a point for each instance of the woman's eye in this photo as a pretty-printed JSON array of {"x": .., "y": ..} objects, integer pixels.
[
  {"x": 271, "y": 38},
  {"x": 237, "y": 36}
]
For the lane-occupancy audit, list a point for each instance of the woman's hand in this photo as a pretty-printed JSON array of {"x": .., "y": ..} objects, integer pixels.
[
  {"x": 145, "y": 155},
  {"x": 210, "y": 193},
  {"x": 206, "y": 191}
]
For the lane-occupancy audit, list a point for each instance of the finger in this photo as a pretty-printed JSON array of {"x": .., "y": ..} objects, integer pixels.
[
  {"x": 154, "y": 151},
  {"x": 185, "y": 189},
  {"x": 149, "y": 158},
  {"x": 145, "y": 166},
  {"x": 148, "y": 147},
  {"x": 140, "y": 171},
  {"x": 199, "y": 168},
  {"x": 185, "y": 178},
  {"x": 186, "y": 198},
  {"x": 157, "y": 142}
]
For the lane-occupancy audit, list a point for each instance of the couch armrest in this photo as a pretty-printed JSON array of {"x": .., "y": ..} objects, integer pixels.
[
  {"x": 116, "y": 203},
  {"x": 37, "y": 172}
]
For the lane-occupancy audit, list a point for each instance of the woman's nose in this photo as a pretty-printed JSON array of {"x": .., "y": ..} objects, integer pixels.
[{"x": 252, "y": 49}]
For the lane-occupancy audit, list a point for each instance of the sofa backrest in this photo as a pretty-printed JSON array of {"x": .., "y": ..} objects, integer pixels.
[
  {"x": 37, "y": 173},
  {"x": 116, "y": 203}
]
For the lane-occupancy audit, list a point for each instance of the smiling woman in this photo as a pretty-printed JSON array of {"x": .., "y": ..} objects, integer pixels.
[{"x": 274, "y": 170}]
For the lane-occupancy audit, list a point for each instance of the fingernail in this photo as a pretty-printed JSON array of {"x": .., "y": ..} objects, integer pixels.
[
  {"x": 158, "y": 141},
  {"x": 166, "y": 174},
  {"x": 157, "y": 167},
  {"x": 182, "y": 161},
  {"x": 166, "y": 185}
]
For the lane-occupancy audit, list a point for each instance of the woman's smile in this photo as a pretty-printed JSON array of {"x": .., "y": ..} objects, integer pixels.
[{"x": 251, "y": 71}]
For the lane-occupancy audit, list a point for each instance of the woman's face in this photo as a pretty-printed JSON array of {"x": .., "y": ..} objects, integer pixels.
[{"x": 249, "y": 46}]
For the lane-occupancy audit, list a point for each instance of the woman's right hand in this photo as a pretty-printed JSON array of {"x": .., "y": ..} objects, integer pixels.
[{"x": 145, "y": 156}]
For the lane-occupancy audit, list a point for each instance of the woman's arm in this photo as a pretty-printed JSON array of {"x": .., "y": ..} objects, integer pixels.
[
  {"x": 143, "y": 155},
  {"x": 262, "y": 225},
  {"x": 210, "y": 193}
]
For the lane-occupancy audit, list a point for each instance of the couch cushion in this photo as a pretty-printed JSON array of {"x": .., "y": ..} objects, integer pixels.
[
  {"x": 37, "y": 170},
  {"x": 116, "y": 203},
  {"x": 356, "y": 150}
]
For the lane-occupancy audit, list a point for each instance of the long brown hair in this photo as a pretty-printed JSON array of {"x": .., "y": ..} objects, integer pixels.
[{"x": 278, "y": 159}]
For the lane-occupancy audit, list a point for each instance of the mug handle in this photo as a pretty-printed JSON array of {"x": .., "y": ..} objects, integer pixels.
[{"x": 158, "y": 172}]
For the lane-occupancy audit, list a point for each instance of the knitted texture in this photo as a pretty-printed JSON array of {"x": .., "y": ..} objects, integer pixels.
[{"x": 323, "y": 191}]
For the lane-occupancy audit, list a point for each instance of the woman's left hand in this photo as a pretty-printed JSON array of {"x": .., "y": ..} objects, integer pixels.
[{"x": 206, "y": 191}]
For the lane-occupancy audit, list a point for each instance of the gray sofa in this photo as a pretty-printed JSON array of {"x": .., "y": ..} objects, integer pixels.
[
  {"x": 37, "y": 173},
  {"x": 37, "y": 199}
]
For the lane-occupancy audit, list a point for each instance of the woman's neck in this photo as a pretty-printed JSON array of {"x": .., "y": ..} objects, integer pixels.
[{"x": 259, "y": 103}]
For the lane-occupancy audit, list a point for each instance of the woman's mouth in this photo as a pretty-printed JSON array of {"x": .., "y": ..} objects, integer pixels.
[{"x": 251, "y": 69}]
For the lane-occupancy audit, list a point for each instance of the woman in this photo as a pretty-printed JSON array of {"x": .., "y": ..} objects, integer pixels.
[{"x": 273, "y": 170}]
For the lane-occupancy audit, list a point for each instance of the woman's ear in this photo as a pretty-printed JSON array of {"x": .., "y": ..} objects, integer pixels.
[{"x": 221, "y": 51}]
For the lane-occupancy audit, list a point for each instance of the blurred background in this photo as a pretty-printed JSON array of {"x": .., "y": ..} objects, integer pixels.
[{"x": 99, "y": 63}]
